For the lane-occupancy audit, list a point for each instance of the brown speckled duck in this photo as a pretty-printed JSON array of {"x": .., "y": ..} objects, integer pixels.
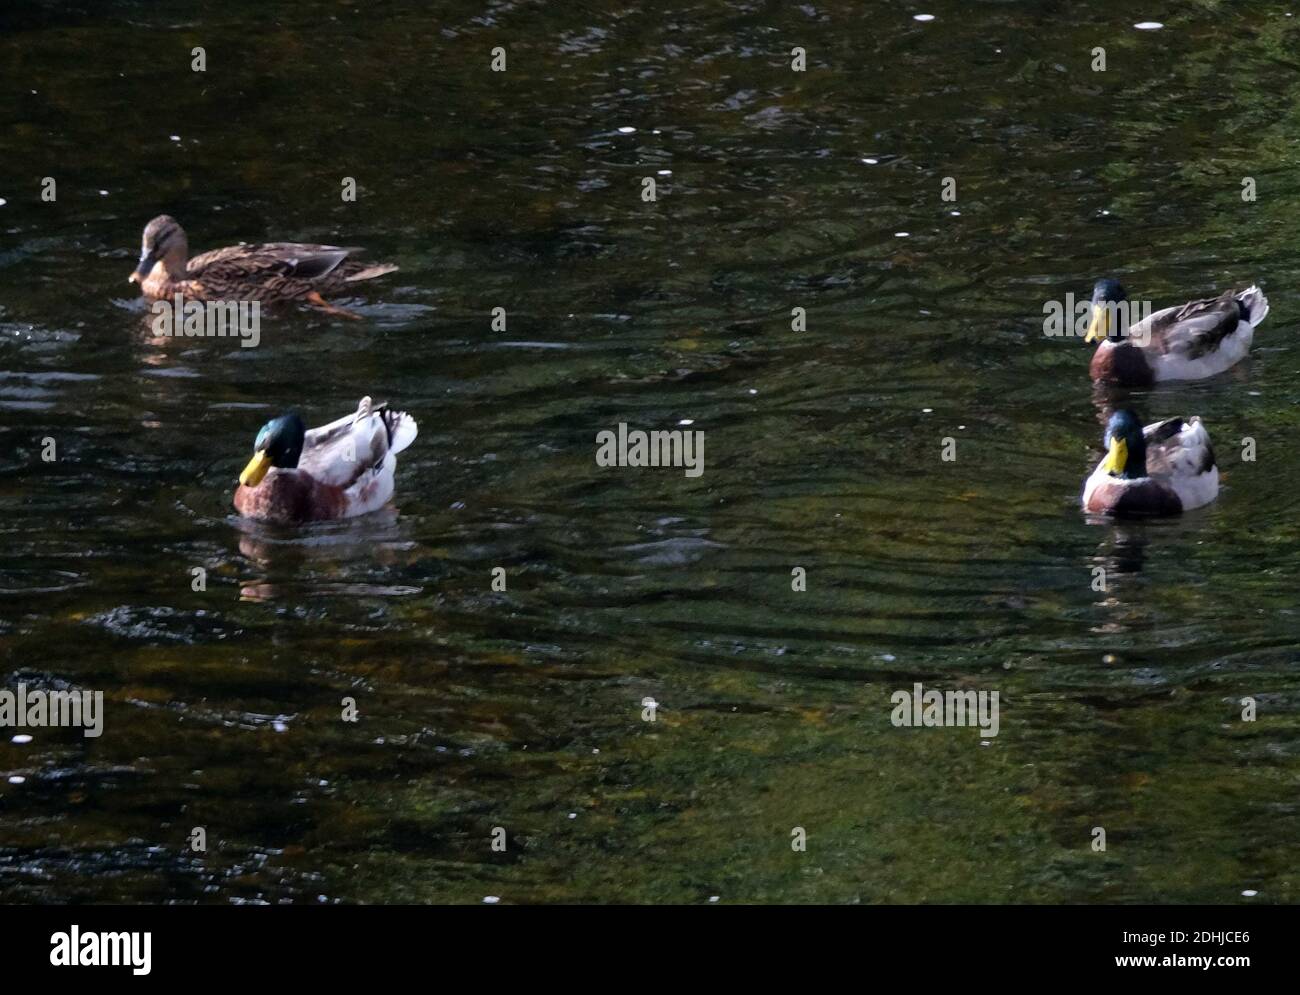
[
  {"x": 266, "y": 272},
  {"x": 339, "y": 470}
]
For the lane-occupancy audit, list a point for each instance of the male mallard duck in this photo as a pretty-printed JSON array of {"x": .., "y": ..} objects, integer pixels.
[
  {"x": 270, "y": 271},
  {"x": 339, "y": 470},
  {"x": 1163, "y": 469},
  {"x": 1189, "y": 342}
]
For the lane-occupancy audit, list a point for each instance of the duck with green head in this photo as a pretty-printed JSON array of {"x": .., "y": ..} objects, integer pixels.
[
  {"x": 1189, "y": 342},
  {"x": 340, "y": 470},
  {"x": 1163, "y": 469}
]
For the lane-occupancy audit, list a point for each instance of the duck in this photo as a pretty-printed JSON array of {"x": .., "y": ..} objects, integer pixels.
[
  {"x": 1161, "y": 469},
  {"x": 340, "y": 470},
  {"x": 1190, "y": 342},
  {"x": 267, "y": 272}
]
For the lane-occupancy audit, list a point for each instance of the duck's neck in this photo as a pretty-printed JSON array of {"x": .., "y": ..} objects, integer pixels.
[
  {"x": 1135, "y": 467},
  {"x": 163, "y": 280}
]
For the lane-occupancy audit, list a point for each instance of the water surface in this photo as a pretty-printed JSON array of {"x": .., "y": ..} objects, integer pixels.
[{"x": 522, "y": 709}]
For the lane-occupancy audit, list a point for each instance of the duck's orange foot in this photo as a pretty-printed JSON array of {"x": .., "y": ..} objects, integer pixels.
[{"x": 321, "y": 304}]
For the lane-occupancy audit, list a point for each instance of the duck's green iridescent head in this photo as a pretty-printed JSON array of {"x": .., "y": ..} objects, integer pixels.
[
  {"x": 1126, "y": 446},
  {"x": 279, "y": 443}
]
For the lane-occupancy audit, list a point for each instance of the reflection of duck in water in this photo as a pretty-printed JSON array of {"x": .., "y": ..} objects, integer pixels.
[
  {"x": 316, "y": 560},
  {"x": 297, "y": 551},
  {"x": 1163, "y": 469},
  {"x": 1189, "y": 342},
  {"x": 1124, "y": 551},
  {"x": 340, "y": 470}
]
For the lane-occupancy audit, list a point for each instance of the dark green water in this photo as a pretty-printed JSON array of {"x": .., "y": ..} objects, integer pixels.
[{"x": 522, "y": 709}]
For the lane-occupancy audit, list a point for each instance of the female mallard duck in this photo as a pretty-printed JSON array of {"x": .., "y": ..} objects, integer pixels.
[
  {"x": 1190, "y": 342},
  {"x": 339, "y": 470},
  {"x": 1164, "y": 469},
  {"x": 268, "y": 272}
]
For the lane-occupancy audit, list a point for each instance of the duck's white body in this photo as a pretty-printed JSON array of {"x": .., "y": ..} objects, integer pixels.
[{"x": 372, "y": 436}]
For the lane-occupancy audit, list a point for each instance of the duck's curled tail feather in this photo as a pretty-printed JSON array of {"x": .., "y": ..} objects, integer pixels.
[
  {"x": 401, "y": 430},
  {"x": 1252, "y": 305}
]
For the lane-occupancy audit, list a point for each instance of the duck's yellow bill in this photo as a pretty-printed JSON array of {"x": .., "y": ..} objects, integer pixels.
[
  {"x": 256, "y": 469},
  {"x": 1099, "y": 326},
  {"x": 1117, "y": 458}
]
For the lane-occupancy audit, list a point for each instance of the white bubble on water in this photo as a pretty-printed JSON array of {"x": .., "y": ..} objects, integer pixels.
[
  {"x": 16, "y": 779},
  {"x": 1148, "y": 25},
  {"x": 491, "y": 899},
  {"x": 627, "y": 129},
  {"x": 923, "y": 17},
  {"x": 21, "y": 739}
]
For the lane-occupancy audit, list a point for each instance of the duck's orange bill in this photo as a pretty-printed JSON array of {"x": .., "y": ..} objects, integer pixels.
[{"x": 256, "y": 469}]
